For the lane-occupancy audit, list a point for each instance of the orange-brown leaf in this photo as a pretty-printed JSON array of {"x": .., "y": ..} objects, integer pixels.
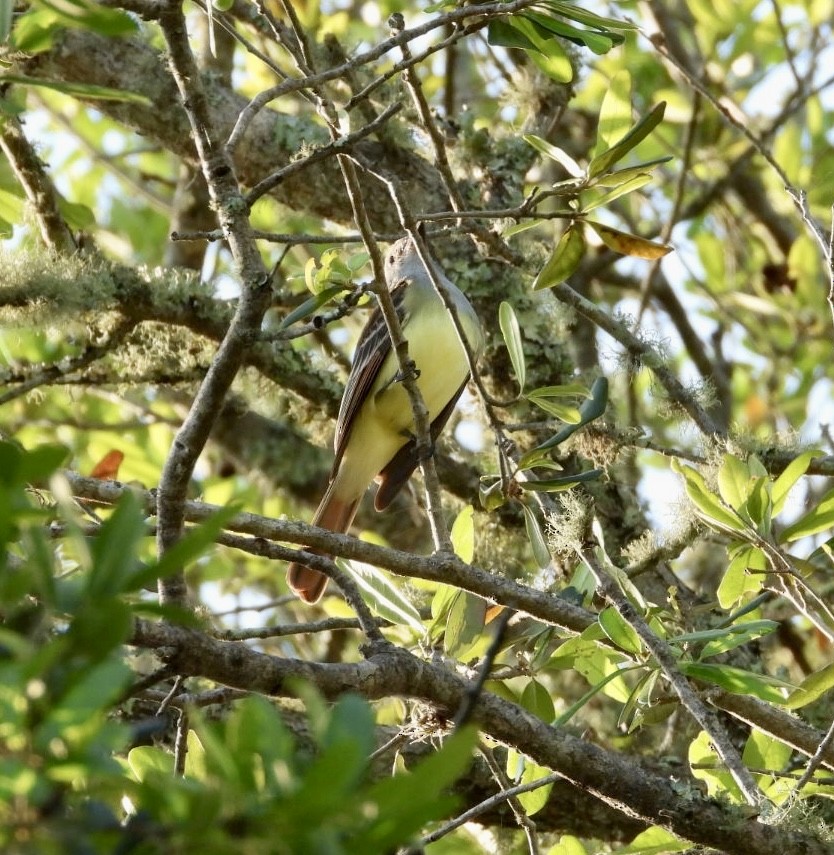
[{"x": 107, "y": 469}]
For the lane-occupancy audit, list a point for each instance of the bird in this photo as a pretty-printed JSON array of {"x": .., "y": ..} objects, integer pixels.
[{"x": 375, "y": 433}]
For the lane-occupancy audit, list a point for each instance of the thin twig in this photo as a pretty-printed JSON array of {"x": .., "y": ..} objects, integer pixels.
[{"x": 705, "y": 717}]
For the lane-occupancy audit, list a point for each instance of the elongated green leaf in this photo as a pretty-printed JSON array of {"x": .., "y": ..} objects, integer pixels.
[
  {"x": 555, "y": 153},
  {"x": 734, "y": 481},
  {"x": 464, "y": 624},
  {"x": 592, "y": 409},
  {"x": 616, "y": 178},
  {"x": 813, "y": 687},
  {"x": 91, "y": 16},
  {"x": 599, "y": 43},
  {"x": 620, "y": 631},
  {"x": 79, "y": 90},
  {"x": 707, "y": 505},
  {"x": 508, "y": 322},
  {"x": 628, "y": 186},
  {"x": 614, "y": 112},
  {"x": 6, "y": 14},
  {"x": 740, "y": 635},
  {"x": 790, "y": 475},
  {"x": 583, "y": 16},
  {"x": 820, "y": 518},
  {"x": 311, "y": 305},
  {"x": 463, "y": 534},
  {"x": 564, "y": 390},
  {"x": 741, "y": 577},
  {"x": 602, "y": 163},
  {"x": 541, "y": 553},
  {"x": 564, "y": 260},
  {"x": 565, "y": 412},
  {"x": 384, "y": 598},
  {"x": 545, "y": 52},
  {"x": 559, "y": 485},
  {"x": 738, "y": 681}
]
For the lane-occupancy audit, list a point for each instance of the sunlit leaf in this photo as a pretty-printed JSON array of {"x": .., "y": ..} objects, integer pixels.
[
  {"x": 555, "y": 153},
  {"x": 564, "y": 259},
  {"x": 463, "y": 534},
  {"x": 622, "y": 633},
  {"x": 508, "y": 322},
  {"x": 818, "y": 519},
  {"x": 615, "y": 112},
  {"x": 603, "y": 162},
  {"x": 384, "y": 598},
  {"x": 738, "y": 681},
  {"x": 87, "y": 91}
]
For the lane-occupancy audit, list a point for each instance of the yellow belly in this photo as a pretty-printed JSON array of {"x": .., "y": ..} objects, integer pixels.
[{"x": 386, "y": 422}]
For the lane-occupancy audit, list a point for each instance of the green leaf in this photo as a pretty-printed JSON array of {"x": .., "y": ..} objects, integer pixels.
[
  {"x": 146, "y": 761},
  {"x": 465, "y": 623},
  {"x": 91, "y": 16},
  {"x": 790, "y": 475},
  {"x": 655, "y": 841},
  {"x": 37, "y": 464},
  {"x": 508, "y": 322},
  {"x": 627, "y": 186},
  {"x": 737, "y": 680},
  {"x": 820, "y": 518},
  {"x": 592, "y": 409},
  {"x": 382, "y": 595},
  {"x": 729, "y": 637},
  {"x": 603, "y": 162},
  {"x": 545, "y": 52},
  {"x": 491, "y": 492},
  {"x": 86, "y": 91},
  {"x": 589, "y": 19},
  {"x": 615, "y": 112},
  {"x": 737, "y": 582},
  {"x": 564, "y": 259},
  {"x": 6, "y": 15},
  {"x": 402, "y": 805},
  {"x": 734, "y": 481},
  {"x": 555, "y": 153},
  {"x": 536, "y": 699},
  {"x": 707, "y": 506},
  {"x": 812, "y": 688},
  {"x": 114, "y": 549},
  {"x": 541, "y": 554},
  {"x": 559, "y": 485},
  {"x": 191, "y": 545},
  {"x": 616, "y": 178},
  {"x": 463, "y": 534},
  {"x": 599, "y": 43},
  {"x": 311, "y": 305},
  {"x": 534, "y": 800},
  {"x": 621, "y": 633},
  {"x": 763, "y": 751}
]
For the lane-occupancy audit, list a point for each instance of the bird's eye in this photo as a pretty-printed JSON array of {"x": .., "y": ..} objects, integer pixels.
[{"x": 391, "y": 258}]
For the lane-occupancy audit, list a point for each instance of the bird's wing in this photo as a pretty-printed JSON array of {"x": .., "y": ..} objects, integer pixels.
[
  {"x": 398, "y": 470},
  {"x": 373, "y": 347}
]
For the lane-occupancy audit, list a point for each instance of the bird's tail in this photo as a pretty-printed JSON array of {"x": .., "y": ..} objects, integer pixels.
[{"x": 334, "y": 514}]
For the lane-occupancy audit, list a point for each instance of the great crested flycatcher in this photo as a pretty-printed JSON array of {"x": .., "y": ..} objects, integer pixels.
[{"x": 375, "y": 428}]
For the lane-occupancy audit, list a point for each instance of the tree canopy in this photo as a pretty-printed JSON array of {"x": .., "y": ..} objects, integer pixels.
[{"x": 600, "y": 617}]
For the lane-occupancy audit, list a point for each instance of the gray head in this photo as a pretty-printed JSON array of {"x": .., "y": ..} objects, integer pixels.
[{"x": 403, "y": 262}]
